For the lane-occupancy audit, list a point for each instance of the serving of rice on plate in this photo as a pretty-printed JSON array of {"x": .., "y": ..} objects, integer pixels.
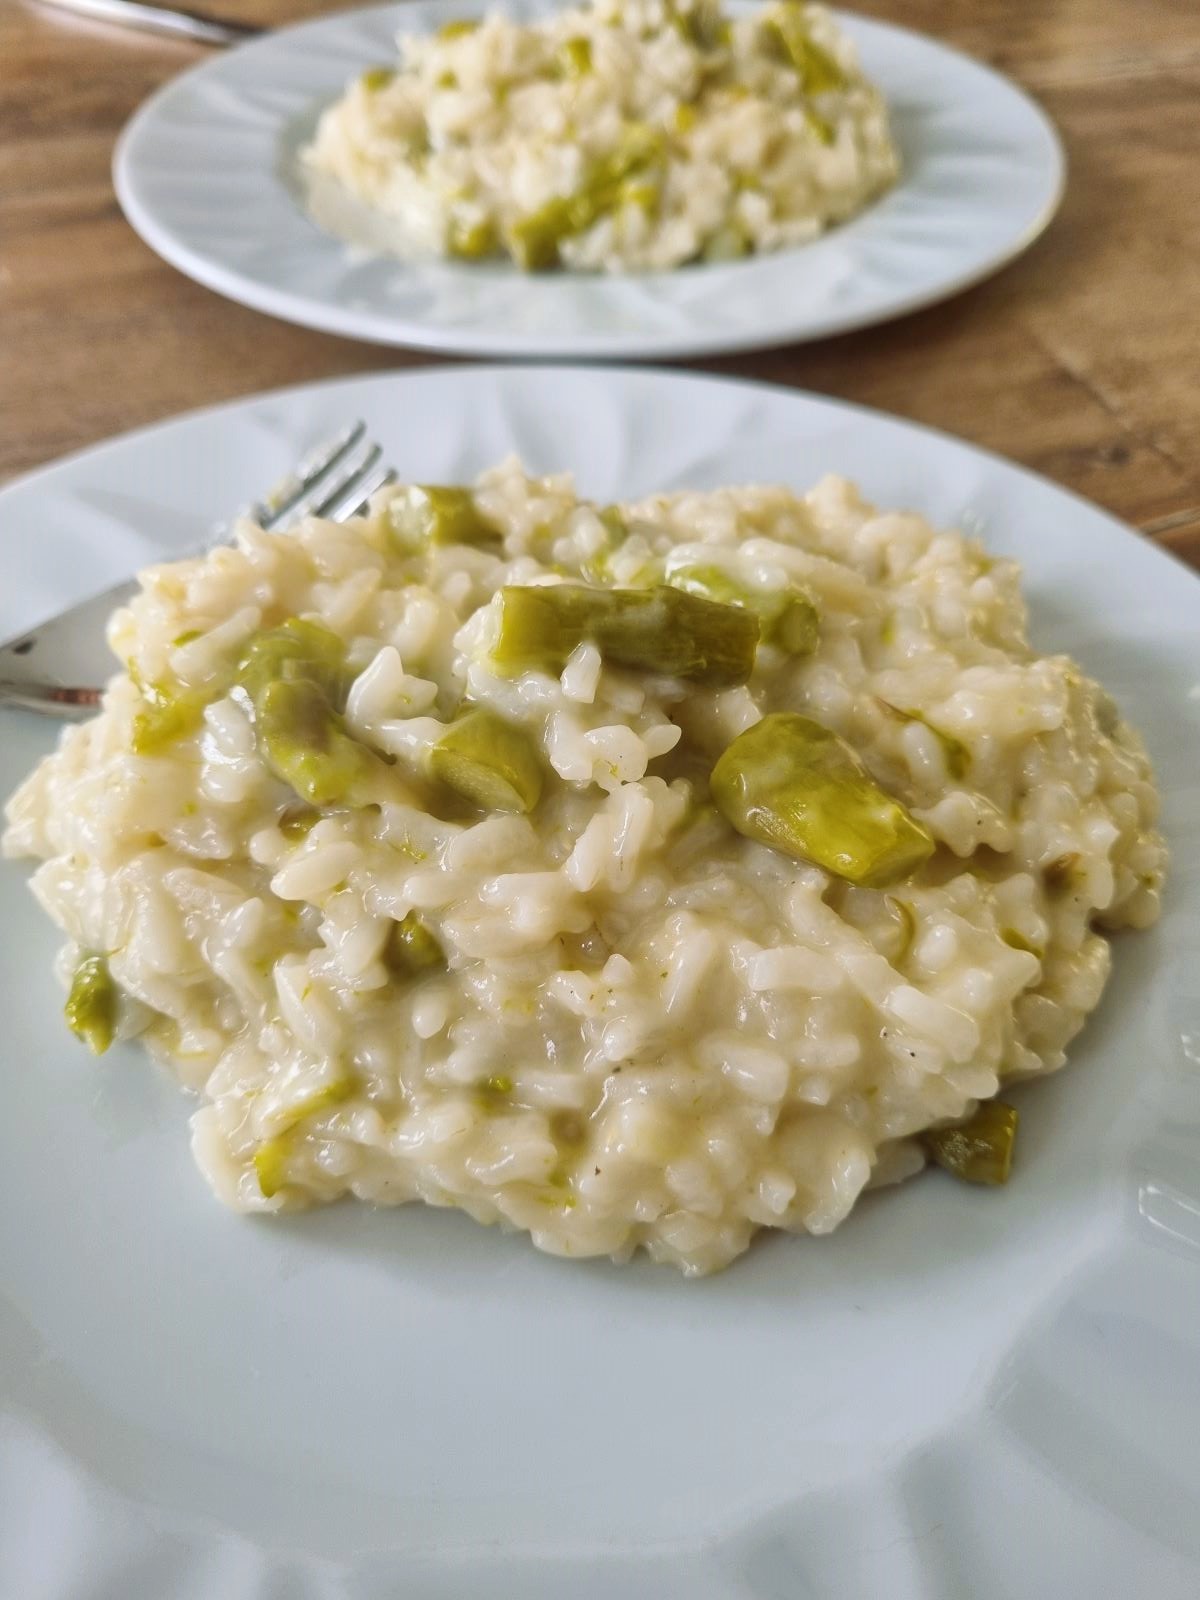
[
  {"x": 625, "y": 135},
  {"x": 634, "y": 876}
]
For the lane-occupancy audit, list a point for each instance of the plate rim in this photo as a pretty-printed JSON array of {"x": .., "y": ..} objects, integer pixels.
[
  {"x": 552, "y": 369},
  {"x": 373, "y": 327}
]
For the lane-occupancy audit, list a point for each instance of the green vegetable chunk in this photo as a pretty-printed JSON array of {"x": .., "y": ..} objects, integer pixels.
[
  {"x": 819, "y": 73},
  {"x": 471, "y": 241},
  {"x": 376, "y": 78},
  {"x": 411, "y": 948},
  {"x": 167, "y": 712},
  {"x": 457, "y": 29},
  {"x": 575, "y": 57},
  {"x": 663, "y": 630},
  {"x": 305, "y": 744},
  {"x": 429, "y": 514},
  {"x": 91, "y": 1008},
  {"x": 979, "y": 1150},
  {"x": 788, "y": 617},
  {"x": 534, "y": 239},
  {"x": 792, "y": 784},
  {"x": 489, "y": 762},
  {"x": 297, "y": 649}
]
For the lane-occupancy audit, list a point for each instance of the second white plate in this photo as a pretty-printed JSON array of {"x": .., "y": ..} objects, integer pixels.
[{"x": 207, "y": 172}]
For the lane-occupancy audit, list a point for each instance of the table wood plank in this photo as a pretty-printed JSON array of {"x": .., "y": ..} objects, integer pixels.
[{"x": 1081, "y": 360}]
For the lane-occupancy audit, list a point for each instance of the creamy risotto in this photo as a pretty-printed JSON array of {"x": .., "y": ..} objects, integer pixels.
[
  {"x": 628, "y": 134},
  {"x": 637, "y": 875}
]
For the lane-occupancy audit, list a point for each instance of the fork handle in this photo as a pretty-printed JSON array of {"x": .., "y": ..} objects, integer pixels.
[{"x": 162, "y": 19}]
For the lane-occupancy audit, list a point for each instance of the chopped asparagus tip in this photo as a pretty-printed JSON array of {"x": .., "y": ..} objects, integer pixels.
[
  {"x": 428, "y": 514},
  {"x": 979, "y": 1150},
  {"x": 457, "y": 29},
  {"x": 488, "y": 761},
  {"x": 297, "y": 649},
  {"x": 787, "y": 617},
  {"x": 663, "y": 630},
  {"x": 788, "y": 37},
  {"x": 792, "y": 784},
  {"x": 91, "y": 1008},
  {"x": 574, "y": 59},
  {"x": 376, "y": 78},
  {"x": 955, "y": 752},
  {"x": 411, "y": 948},
  {"x": 305, "y": 744}
]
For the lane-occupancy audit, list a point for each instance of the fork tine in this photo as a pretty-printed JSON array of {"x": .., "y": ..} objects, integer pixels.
[
  {"x": 279, "y": 505},
  {"x": 357, "y": 495},
  {"x": 335, "y": 485}
]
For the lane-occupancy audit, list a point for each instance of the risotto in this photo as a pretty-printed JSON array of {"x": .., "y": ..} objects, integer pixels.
[
  {"x": 628, "y": 134},
  {"x": 636, "y": 876}
]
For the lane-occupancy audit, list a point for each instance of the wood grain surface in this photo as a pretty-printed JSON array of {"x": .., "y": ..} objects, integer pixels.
[{"x": 1082, "y": 360}]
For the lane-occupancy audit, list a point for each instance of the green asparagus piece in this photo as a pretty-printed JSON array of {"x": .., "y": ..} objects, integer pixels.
[
  {"x": 787, "y": 617},
  {"x": 91, "y": 1008},
  {"x": 979, "y": 1150},
  {"x": 819, "y": 73},
  {"x": 534, "y": 239},
  {"x": 457, "y": 29},
  {"x": 168, "y": 712},
  {"x": 488, "y": 761},
  {"x": 305, "y": 744},
  {"x": 575, "y": 57},
  {"x": 471, "y": 241},
  {"x": 702, "y": 25},
  {"x": 411, "y": 948},
  {"x": 297, "y": 649},
  {"x": 376, "y": 78},
  {"x": 663, "y": 630},
  {"x": 790, "y": 783},
  {"x": 426, "y": 514}
]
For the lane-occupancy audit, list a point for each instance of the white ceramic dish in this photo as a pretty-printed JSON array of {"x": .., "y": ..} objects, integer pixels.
[
  {"x": 207, "y": 173},
  {"x": 958, "y": 1393}
]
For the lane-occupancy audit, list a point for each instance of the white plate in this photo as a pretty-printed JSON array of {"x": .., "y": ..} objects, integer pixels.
[
  {"x": 959, "y": 1394},
  {"x": 207, "y": 173}
]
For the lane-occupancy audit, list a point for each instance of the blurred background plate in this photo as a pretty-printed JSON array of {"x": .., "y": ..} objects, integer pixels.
[
  {"x": 207, "y": 172},
  {"x": 960, "y": 1393}
]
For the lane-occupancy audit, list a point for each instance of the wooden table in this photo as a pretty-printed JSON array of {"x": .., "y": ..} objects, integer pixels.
[{"x": 1082, "y": 360}]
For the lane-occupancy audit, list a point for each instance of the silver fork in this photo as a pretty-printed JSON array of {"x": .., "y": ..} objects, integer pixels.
[{"x": 58, "y": 667}]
